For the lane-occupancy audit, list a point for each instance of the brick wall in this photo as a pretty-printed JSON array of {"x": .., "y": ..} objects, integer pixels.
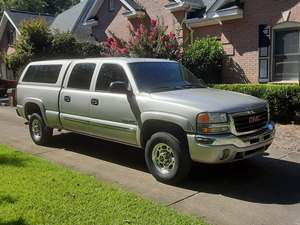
[{"x": 240, "y": 37}]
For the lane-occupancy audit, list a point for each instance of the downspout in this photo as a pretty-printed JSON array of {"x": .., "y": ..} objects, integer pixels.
[{"x": 191, "y": 31}]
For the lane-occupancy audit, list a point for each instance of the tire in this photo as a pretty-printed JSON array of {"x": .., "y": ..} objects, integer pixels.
[
  {"x": 39, "y": 132},
  {"x": 167, "y": 158}
]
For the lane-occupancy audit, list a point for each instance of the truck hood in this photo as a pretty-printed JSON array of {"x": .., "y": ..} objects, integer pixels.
[{"x": 211, "y": 100}]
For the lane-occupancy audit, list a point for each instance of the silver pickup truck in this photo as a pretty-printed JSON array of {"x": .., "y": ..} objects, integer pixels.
[{"x": 153, "y": 104}]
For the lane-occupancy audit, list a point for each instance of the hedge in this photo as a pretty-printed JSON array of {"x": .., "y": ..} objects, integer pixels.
[{"x": 284, "y": 100}]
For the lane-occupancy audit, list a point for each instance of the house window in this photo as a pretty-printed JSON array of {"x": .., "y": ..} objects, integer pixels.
[
  {"x": 111, "y": 5},
  {"x": 286, "y": 55},
  {"x": 11, "y": 37}
]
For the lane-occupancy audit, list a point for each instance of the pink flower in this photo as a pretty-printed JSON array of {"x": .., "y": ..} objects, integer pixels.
[
  {"x": 122, "y": 51},
  {"x": 153, "y": 22},
  {"x": 171, "y": 35}
]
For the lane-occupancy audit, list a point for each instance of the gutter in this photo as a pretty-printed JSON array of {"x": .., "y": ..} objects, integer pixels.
[
  {"x": 191, "y": 33},
  {"x": 215, "y": 18}
]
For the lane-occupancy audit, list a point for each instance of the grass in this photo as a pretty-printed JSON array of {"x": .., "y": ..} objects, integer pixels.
[{"x": 34, "y": 191}]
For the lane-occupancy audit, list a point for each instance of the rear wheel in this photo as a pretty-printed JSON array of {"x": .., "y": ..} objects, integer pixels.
[
  {"x": 39, "y": 132},
  {"x": 167, "y": 158}
]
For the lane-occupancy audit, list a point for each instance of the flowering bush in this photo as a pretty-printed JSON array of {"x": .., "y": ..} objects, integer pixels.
[{"x": 149, "y": 41}]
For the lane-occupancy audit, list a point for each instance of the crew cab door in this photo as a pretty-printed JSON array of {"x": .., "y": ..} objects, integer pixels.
[
  {"x": 111, "y": 114},
  {"x": 75, "y": 97}
]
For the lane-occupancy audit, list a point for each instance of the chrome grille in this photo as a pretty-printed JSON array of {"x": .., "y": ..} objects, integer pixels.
[{"x": 253, "y": 121}]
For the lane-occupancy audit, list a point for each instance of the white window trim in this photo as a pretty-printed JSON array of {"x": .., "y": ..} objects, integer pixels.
[
  {"x": 5, "y": 19},
  {"x": 279, "y": 27},
  {"x": 111, "y": 5}
]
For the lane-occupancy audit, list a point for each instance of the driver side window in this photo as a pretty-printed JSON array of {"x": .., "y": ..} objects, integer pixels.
[{"x": 108, "y": 74}]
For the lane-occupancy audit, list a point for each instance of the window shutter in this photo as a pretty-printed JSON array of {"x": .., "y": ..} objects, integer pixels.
[{"x": 264, "y": 52}]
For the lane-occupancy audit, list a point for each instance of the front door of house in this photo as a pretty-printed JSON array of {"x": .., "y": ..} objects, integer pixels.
[{"x": 287, "y": 55}]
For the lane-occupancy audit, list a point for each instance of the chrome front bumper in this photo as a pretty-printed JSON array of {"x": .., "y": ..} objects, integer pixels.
[{"x": 229, "y": 148}]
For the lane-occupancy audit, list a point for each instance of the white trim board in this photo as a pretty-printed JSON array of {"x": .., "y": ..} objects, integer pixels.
[
  {"x": 5, "y": 19},
  {"x": 12, "y": 22}
]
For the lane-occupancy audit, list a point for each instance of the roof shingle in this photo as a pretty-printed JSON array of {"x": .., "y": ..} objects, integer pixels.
[{"x": 18, "y": 16}]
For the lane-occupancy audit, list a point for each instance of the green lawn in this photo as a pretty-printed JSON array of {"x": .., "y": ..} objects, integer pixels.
[{"x": 34, "y": 191}]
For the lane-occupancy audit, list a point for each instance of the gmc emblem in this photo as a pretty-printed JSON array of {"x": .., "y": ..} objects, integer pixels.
[{"x": 254, "y": 119}]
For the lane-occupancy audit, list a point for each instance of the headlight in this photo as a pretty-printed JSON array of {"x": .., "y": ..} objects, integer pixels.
[{"x": 212, "y": 123}]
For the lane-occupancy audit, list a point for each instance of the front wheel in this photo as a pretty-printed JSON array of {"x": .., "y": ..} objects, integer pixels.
[
  {"x": 167, "y": 158},
  {"x": 39, "y": 132}
]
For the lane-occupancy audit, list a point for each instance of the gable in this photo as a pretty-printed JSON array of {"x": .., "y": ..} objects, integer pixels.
[
  {"x": 132, "y": 6},
  {"x": 14, "y": 18},
  {"x": 69, "y": 19}
]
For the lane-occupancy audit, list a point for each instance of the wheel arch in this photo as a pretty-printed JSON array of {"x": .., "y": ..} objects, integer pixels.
[
  {"x": 153, "y": 126},
  {"x": 34, "y": 106}
]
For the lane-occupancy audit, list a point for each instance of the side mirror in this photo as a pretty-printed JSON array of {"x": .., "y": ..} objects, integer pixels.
[{"x": 120, "y": 87}]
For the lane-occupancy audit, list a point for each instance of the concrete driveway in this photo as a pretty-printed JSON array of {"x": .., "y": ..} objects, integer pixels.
[{"x": 260, "y": 191}]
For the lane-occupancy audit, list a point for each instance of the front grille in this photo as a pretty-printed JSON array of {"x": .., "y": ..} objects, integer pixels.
[{"x": 250, "y": 122}]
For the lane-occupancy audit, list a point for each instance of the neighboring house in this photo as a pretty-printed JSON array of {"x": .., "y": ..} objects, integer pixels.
[
  {"x": 10, "y": 30},
  {"x": 73, "y": 20},
  {"x": 261, "y": 37}
]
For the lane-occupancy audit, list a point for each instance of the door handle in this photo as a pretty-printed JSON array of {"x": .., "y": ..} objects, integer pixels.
[
  {"x": 67, "y": 99},
  {"x": 94, "y": 101}
]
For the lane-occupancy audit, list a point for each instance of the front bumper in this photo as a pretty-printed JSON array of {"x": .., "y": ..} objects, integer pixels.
[{"x": 229, "y": 148}]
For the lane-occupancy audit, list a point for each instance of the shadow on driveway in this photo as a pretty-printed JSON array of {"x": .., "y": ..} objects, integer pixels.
[{"x": 259, "y": 180}]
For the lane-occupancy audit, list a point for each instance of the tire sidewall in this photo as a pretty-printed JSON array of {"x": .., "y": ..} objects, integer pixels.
[
  {"x": 42, "y": 139},
  {"x": 180, "y": 155}
]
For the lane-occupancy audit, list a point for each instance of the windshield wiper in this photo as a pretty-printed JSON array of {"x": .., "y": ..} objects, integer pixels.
[
  {"x": 192, "y": 86},
  {"x": 167, "y": 88}
]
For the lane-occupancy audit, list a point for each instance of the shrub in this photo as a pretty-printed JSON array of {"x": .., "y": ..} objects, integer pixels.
[
  {"x": 63, "y": 45},
  {"x": 204, "y": 58},
  {"x": 284, "y": 100},
  {"x": 147, "y": 41},
  {"x": 90, "y": 50},
  {"x": 16, "y": 61},
  {"x": 35, "y": 37}
]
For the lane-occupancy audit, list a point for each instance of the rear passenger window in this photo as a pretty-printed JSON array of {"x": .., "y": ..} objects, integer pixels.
[
  {"x": 81, "y": 76},
  {"x": 42, "y": 74}
]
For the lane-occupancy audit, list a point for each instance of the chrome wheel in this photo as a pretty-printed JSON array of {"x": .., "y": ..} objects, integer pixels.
[
  {"x": 36, "y": 129},
  {"x": 163, "y": 158}
]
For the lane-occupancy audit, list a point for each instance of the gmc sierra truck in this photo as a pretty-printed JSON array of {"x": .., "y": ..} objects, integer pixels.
[{"x": 152, "y": 104}]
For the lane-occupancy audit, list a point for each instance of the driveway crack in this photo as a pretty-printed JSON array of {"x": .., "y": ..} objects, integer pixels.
[{"x": 183, "y": 199}]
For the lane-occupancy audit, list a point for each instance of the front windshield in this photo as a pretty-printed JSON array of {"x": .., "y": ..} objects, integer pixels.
[{"x": 163, "y": 76}]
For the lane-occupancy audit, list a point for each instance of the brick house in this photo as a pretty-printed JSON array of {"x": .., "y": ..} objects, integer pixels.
[
  {"x": 261, "y": 37},
  {"x": 10, "y": 30}
]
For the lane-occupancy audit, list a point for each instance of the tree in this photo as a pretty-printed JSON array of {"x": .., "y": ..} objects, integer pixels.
[
  {"x": 40, "y": 6},
  {"x": 36, "y": 42},
  {"x": 148, "y": 41}
]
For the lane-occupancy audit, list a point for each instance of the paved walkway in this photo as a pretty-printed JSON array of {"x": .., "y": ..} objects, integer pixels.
[{"x": 260, "y": 191}]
